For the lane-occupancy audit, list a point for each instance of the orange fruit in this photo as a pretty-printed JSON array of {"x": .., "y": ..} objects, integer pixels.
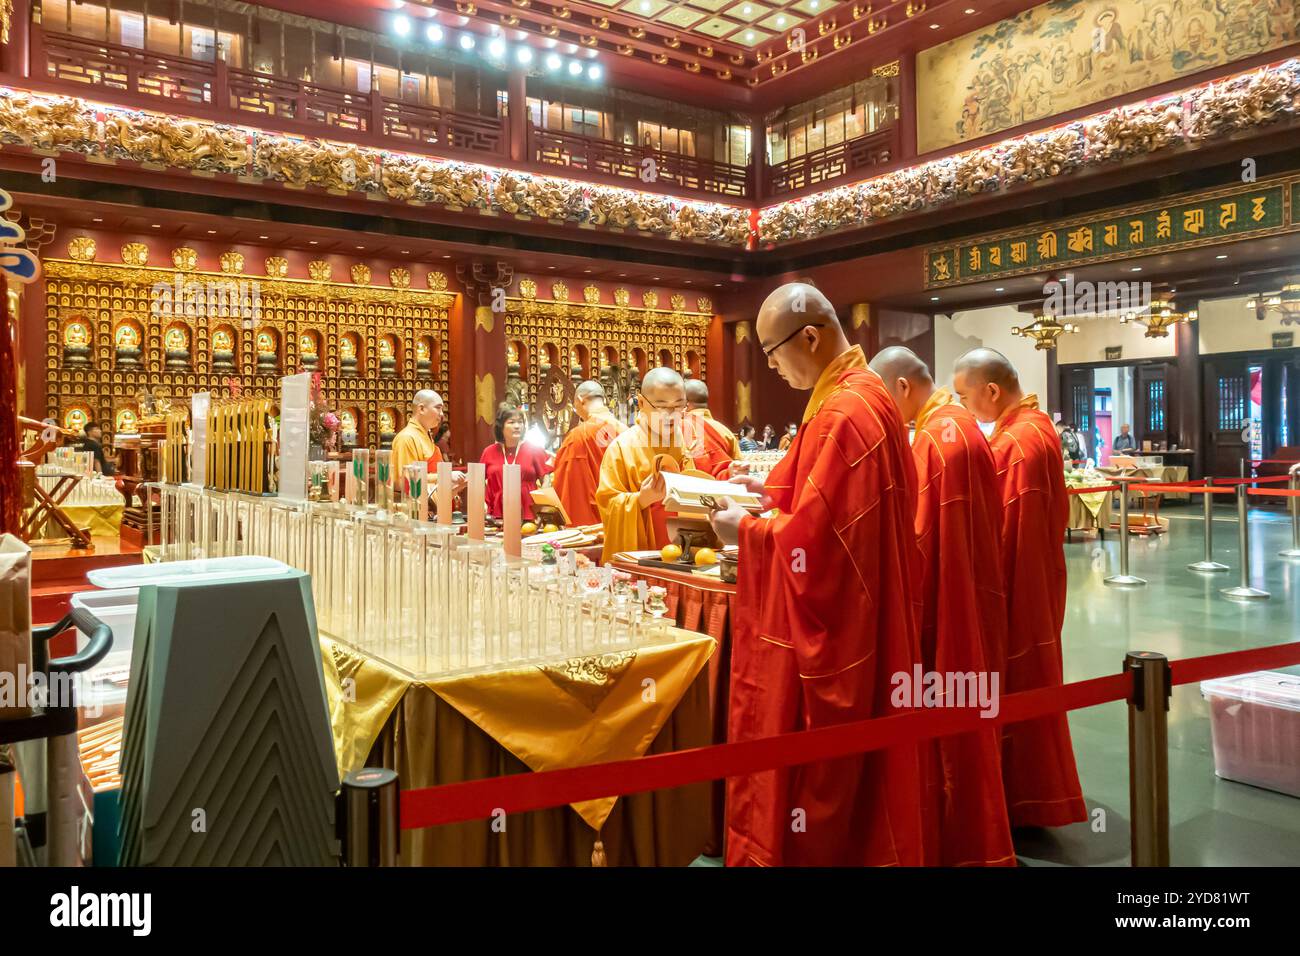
[
  {"x": 705, "y": 556},
  {"x": 528, "y": 528},
  {"x": 549, "y": 529},
  {"x": 670, "y": 552}
]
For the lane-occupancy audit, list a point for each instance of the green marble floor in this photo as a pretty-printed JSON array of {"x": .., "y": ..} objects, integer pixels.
[{"x": 1181, "y": 614}]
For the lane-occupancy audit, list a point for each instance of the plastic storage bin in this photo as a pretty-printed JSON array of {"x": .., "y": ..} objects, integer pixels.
[
  {"x": 103, "y": 694},
  {"x": 1255, "y": 726}
]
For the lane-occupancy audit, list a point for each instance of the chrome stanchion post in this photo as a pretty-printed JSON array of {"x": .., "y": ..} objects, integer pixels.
[
  {"x": 366, "y": 818},
  {"x": 1123, "y": 579},
  {"x": 1293, "y": 503},
  {"x": 1148, "y": 758},
  {"x": 1208, "y": 564},
  {"x": 1243, "y": 591}
]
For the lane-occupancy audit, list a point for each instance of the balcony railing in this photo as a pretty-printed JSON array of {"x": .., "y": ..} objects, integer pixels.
[
  {"x": 114, "y": 67},
  {"x": 643, "y": 164},
  {"x": 298, "y": 100},
  {"x": 832, "y": 162},
  {"x": 435, "y": 126}
]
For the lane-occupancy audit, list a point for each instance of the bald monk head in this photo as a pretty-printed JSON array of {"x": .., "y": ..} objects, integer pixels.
[
  {"x": 906, "y": 377},
  {"x": 426, "y": 408},
  {"x": 697, "y": 393},
  {"x": 987, "y": 383},
  {"x": 662, "y": 404},
  {"x": 588, "y": 399},
  {"x": 800, "y": 334}
]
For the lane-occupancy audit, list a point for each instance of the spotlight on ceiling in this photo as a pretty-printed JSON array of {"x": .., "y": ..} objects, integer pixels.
[
  {"x": 497, "y": 48},
  {"x": 466, "y": 41},
  {"x": 575, "y": 68},
  {"x": 524, "y": 55},
  {"x": 401, "y": 25},
  {"x": 594, "y": 72},
  {"x": 433, "y": 33},
  {"x": 553, "y": 62}
]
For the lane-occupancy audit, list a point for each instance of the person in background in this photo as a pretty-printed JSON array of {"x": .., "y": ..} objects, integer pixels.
[
  {"x": 1070, "y": 449},
  {"x": 790, "y": 431},
  {"x": 769, "y": 438},
  {"x": 1124, "y": 441},
  {"x": 577, "y": 462},
  {"x": 415, "y": 442},
  {"x": 511, "y": 449},
  {"x": 93, "y": 441},
  {"x": 747, "y": 442}
]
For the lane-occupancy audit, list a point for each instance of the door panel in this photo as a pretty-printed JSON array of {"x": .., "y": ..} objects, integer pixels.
[
  {"x": 1227, "y": 413},
  {"x": 1151, "y": 400}
]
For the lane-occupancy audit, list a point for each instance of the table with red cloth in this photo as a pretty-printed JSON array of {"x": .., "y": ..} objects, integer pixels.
[{"x": 707, "y": 604}]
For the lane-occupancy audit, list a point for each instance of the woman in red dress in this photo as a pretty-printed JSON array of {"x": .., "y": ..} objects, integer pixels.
[{"x": 511, "y": 449}]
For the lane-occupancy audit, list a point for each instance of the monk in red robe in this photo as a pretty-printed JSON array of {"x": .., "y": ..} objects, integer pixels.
[
  {"x": 1038, "y": 770},
  {"x": 963, "y": 622},
  {"x": 577, "y": 463},
  {"x": 825, "y": 617},
  {"x": 718, "y": 448}
]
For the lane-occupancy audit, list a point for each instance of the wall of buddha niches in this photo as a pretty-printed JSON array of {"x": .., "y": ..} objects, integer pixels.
[
  {"x": 115, "y": 330},
  {"x": 552, "y": 344}
]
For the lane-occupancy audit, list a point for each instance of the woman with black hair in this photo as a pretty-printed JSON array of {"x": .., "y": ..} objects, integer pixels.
[{"x": 511, "y": 449}]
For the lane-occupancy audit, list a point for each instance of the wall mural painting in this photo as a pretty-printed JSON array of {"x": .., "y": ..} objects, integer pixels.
[{"x": 1069, "y": 53}]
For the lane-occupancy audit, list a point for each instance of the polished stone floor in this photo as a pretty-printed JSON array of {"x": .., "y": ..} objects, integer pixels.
[{"x": 1180, "y": 614}]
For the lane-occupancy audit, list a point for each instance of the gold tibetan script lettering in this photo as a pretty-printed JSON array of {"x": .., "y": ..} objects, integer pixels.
[
  {"x": 1019, "y": 252},
  {"x": 941, "y": 273},
  {"x": 1047, "y": 245},
  {"x": 1111, "y": 235},
  {"x": 1227, "y": 214},
  {"x": 1193, "y": 220},
  {"x": 995, "y": 256},
  {"x": 1080, "y": 240},
  {"x": 973, "y": 259},
  {"x": 1257, "y": 208},
  {"x": 1164, "y": 225},
  {"x": 1137, "y": 232}
]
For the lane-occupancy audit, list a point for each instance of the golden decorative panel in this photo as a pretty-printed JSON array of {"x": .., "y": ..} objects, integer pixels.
[
  {"x": 277, "y": 267},
  {"x": 704, "y": 304},
  {"x": 135, "y": 254},
  {"x": 232, "y": 263},
  {"x": 112, "y": 330},
  {"x": 399, "y": 278},
  {"x": 82, "y": 249},
  {"x": 361, "y": 274},
  {"x": 559, "y": 292},
  {"x": 185, "y": 259},
  {"x": 1063, "y": 55},
  {"x": 528, "y": 288},
  {"x": 320, "y": 270},
  {"x": 651, "y": 299},
  {"x": 591, "y": 295},
  {"x": 437, "y": 281},
  {"x": 622, "y": 297},
  {"x": 611, "y": 343}
]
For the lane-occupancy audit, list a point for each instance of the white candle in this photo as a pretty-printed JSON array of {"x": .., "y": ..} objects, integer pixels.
[
  {"x": 444, "y": 493},
  {"x": 510, "y": 507},
  {"x": 474, "y": 507}
]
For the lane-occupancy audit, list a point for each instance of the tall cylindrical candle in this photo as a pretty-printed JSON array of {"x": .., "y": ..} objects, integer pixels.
[
  {"x": 444, "y": 493},
  {"x": 384, "y": 479},
  {"x": 510, "y": 506},
  {"x": 475, "y": 500}
]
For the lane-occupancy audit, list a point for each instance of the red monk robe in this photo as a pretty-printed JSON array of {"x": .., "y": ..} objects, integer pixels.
[
  {"x": 577, "y": 466},
  {"x": 826, "y": 619},
  {"x": 963, "y": 626},
  {"x": 1042, "y": 783},
  {"x": 718, "y": 446}
]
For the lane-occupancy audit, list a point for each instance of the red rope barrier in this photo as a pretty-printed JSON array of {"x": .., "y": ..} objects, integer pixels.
[
  {"x": 1274, "y": 492},
  {"x": 1087, "y": 490},
  {"x": 518, "y": 793},
  {"x": 1251, "y": 481}
]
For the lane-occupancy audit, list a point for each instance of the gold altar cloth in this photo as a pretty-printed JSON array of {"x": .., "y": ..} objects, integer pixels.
[{"x": 562, "y": 714}]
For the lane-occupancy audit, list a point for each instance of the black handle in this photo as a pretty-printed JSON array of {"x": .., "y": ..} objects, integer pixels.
[{"x": 96, "y": 649}]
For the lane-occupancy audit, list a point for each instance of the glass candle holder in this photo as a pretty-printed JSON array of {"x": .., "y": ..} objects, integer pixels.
[
  {"x": 384, "y": 479},
  {"x": 359, "y": 477}
]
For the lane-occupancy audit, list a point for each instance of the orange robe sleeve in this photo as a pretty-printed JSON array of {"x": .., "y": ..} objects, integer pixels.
[
  {"x": 824, "y": 619},
  {"x": 1038, "y": 768},
  {"x": 963, "y": 628},
  {"x": 577, "y": 467},
  {"x": 718, "y": 447}
]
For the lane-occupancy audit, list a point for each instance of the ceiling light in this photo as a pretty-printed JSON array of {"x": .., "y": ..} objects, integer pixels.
[
  {"x": 157, "y": 225},
  {"x": 969, "y": 10},
  {"x": 311, "y": 242},
  {"x": 360, "y": 247},
  {"x": 97, "y": 220},
  {"x": 466, "y": 41},
  {"x": 934, "y": 298},
  {"x": 1000, "y": 289},
  {"x": 211, "y": 232},
  {"x": 401, "y": 25},
  {"x": 524, "y": 55},
  {"x": 575, "y": 68},
  {"x": 264, "y": 237},
  {"x": 815, "y": 4},
  {"x": 594, "y": 72},
  {"x": 433, "y": 33},
  {"x": 749, "y": 34},
  {"x": 1136, "y": 269},
  {"x": 1220, "y": 257},
  {"x": 934, "y": 26},
  {"x": 747, "y": 10},
  {"x": 780, "y": 21},
  {"x": 645, "y": 6},
  {"x": 497, "y": 48},
  {"x": 553, "y": 61}
]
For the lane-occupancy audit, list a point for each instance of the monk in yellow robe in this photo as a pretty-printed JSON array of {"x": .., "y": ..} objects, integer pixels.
[
  {"x": 631, "y": 490},
  {"x": 716, "y": 447},
  {"x": 414, "y": 443},
  {"x": 577, "y": 463}
]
